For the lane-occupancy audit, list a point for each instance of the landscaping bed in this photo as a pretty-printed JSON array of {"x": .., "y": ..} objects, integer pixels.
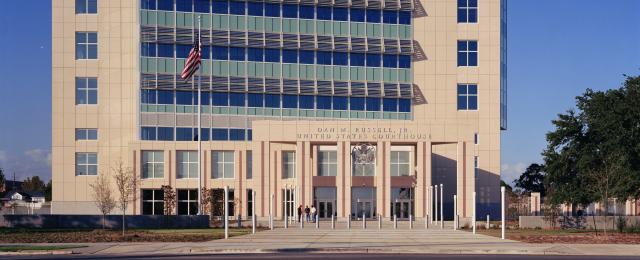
[
  {"x": 567, "y": 236},
  {"x": 99, "y": 235}
]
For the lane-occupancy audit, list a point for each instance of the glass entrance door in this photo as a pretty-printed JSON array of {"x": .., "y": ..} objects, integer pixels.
[
  {"x": 401, "y": 208},
  {"x": 325, "y": 208},
  {"x": 364, "y": 207}
]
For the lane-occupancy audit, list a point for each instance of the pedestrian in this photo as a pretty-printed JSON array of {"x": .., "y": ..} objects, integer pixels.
[
  {"x": 313, "y": 213},
  {"x": 307, "y": 211},
  {"x": 300, "y": 213}
]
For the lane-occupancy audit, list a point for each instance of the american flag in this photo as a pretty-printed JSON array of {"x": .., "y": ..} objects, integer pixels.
[{"x": 193, "y": 61}]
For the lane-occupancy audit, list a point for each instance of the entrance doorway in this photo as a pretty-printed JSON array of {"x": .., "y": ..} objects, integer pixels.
[
  {"x": 365, "y": 207},
  {"x": 401, "y": 208},
  {"x": 324, "y": 198},
  {"x": 363, "y": 201},
  {"x": 402, "y": 202}
]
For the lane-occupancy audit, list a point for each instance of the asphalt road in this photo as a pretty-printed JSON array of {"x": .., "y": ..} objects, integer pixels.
[{"x": 323, "y": 257}]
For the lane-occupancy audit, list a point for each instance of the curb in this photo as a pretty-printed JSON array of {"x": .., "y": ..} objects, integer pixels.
[
  {"x": 367, "y": 251},
  {"x": 38, "y": 252}
]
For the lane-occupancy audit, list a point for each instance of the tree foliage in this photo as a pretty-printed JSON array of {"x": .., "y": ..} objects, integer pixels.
[
  {"x": 103, "y": 196},
  {"x": 126, "y": 182},
  {"x": 33, "y": 184},
  {"x": 169, "y": 199},
  {"x": 593, "y": 154},
  {"x": 532, "y": 179}
]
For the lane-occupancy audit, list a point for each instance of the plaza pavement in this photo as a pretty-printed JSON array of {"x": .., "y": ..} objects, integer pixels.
[{"x": 403, "y": 240}]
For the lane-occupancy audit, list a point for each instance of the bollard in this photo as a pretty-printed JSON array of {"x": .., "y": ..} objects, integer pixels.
[
  {"x": 349, "y": 222},
  {"x": 333, "y": 222},
  {"x": 488, "y": 221},
  {"x": 253, "y": 211},
  {"x": 441, "y": 206},
  {"x": 364, "y": 221},
  {"x": 271, "y": 211},
  {"x": 410, "y": 221},
  {"x": 502, "y": 191},
  {"x": 317, "y": 221},
  {"x": 435, "y": 205},
  {"x": 395, "y": 222},
  {"x": 426, "y": 221},
  {"x": 379, "y": 222},
  {"x": 455, "y": 212}
]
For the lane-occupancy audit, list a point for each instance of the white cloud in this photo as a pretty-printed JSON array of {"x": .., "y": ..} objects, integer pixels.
[
  {"x": 511, "y": 172},
  {"x": 40, "y": 156}
]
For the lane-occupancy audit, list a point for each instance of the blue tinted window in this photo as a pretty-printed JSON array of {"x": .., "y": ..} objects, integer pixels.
[
  {"x": 144, "y": 4},
  {"x": 206, "y": 52},
  {"x": 236, "y": 53},
  {"x": 467, "y": 11},
  {"x": 390, "y": 104},
  {"x": 148, "y": 49},
  {"x": 323, "y": 102},
  {"x": 182, "y": 51},
  {"x": 306, "y": 57},
  {"x": 236, "y": 99},
  {"x": 220, "y": 53},
  {"x": 340, "y": 14},
  {"x": 340, "y": 58},
  {"x": 324, "y": 13},
  {"x": 306, "y": 12},
  {"x": 165, "y": 134},
  {"x": 255, "y": 100},
  {"x": 404, "y": 105},
  {"x": 339, "y": 103},
  {"x": 272, "y": 100},
  {"x": 165, "y": 97},
  {"x": 219, "y": 134},
  {"x": 148, "y": 133},
  {"x": 467, "y": 97},
  {"x": 373, "y": 60},
  {"x": 373, "y": 104},
  {"x": 236, "y": 134},
  {"x": 373, "y": 16},
  {"x": 220, "y": 99},
  {"x": 184, "y": 134},
  {"x": 255, "y": 9},
  {"x": 205, "y": 98},
  {"x": 255, "y": 54},
  {"x": 289, "y": 101},
  {"x": 166, "y": 5},
  {"x": 404, "y": 17},
  {"x": 165, "y": 50},
  {"x": 289, "y": 56},
  {"x": 272, "y": 10},
  {"x": 220, "y": 7},
  {"x": 390, "y": 17},
  {"x": 236, "y": 8},
  {"x": 205, "y": 134},
  {"x": 404, "y": 61},
  {"x": 201, "y": 6},
  {"x": 467, "y": 53},
  {"x": 184, "y": 5},
  {"x": 272, "y": 55},
  {"x": 289, "y": 11},
  {"x": 184, "y": 98},
  {"x": 357, "y": 59},
  {"x": 390, "y": 61},
  {"x": 357, "y": 15},
  {"x": 324, "y": 57},
  {"x": 306, "y": 102},
  {"x": 249, "y": 134},
  {"x": 356, "y": 103},
  {"x": 148, "y": 96}
]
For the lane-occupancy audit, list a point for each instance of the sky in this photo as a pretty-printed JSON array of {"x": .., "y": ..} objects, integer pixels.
[{"x": 556, "y": 50}]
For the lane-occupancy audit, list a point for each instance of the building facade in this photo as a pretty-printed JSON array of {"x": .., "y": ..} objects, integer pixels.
[{"x": 354, "y": 106}]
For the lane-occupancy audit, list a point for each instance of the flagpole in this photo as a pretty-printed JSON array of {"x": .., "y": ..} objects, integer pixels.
[{"x": 199, "y": 127}]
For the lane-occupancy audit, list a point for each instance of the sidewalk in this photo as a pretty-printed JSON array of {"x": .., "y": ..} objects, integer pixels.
[{"x": 358, "y": 240}]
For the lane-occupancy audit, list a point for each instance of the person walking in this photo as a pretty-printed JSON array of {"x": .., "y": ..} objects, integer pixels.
[
  {"x": 313, "y": 213},
  {"x": 307, "y": 211},
  {"x": 300, "y": 213}
]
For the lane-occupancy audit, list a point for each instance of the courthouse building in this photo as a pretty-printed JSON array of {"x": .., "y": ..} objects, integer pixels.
[{"x": 355, "y": 106}]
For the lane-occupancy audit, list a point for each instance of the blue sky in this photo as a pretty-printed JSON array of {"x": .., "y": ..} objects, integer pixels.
[{"x": 557, "y": 49}]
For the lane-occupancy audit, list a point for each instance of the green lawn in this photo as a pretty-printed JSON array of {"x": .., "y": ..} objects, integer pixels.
[{"x": 18, "y": 248}]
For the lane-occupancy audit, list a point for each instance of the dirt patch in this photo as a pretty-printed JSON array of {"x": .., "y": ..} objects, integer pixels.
[{"x": 93, "y": 236}]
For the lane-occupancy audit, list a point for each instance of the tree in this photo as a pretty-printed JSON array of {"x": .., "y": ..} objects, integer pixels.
[
  {"x": 103, "y": 196},
  {"x": 169, "y": 199},
  {"x": 3, "y": 183},
  {"x": 127, "y": 183},
  {"x": 207, "y": 201},
  {"x": 33, "y": 184},
  {"x": 48, "y": 191},
  {"x": 532, "y": 179}
]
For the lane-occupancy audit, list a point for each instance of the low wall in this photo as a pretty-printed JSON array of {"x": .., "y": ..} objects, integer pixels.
[
  {"x": 95, "y": 221},
  {"x": 586, "y": 222}
]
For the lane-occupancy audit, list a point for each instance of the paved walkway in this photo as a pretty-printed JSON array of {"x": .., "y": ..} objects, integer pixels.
[{"x": 358, "y": 240}]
